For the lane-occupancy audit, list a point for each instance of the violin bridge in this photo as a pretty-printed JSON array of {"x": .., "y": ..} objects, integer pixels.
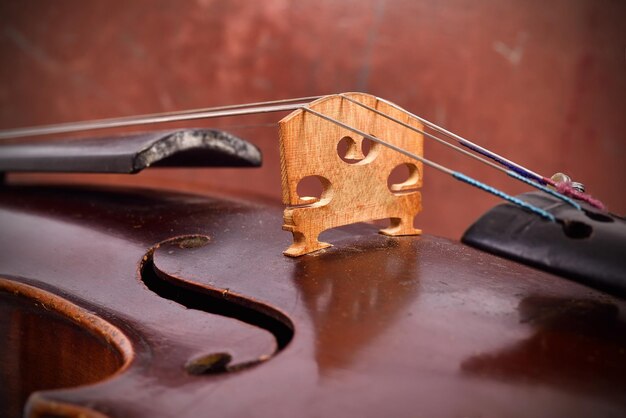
[{"x": 354, "y": 184}]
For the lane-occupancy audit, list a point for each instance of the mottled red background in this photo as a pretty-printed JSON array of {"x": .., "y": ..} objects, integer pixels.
[{"x": 543, "y": 83}]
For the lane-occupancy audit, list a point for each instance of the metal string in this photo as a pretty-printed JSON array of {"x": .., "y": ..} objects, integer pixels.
[
  {"x": 211, "y": 112},
  {"x": 511, "y": 173},
  {"x": 248, "y": 109},
  {"x": 475, "y": 147},
  {"x": 514, "y": 170},
  {"x": 456, "y": 175},
  {"x": 563, "y": 189},
  {"x": 253, "y": 108}
]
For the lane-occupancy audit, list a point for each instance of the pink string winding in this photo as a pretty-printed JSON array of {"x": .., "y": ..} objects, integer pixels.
[{"x": 567, "y": 189}]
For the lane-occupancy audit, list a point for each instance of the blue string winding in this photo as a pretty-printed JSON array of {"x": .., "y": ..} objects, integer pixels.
[{"x": 543, "y": 213}]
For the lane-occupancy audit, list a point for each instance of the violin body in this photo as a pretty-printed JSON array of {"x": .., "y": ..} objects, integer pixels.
[{"x": 131, "y": 303}]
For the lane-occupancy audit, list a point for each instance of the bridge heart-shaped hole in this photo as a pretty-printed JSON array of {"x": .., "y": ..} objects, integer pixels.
[
  {"x": 350, "y": 152},
  {"x": 312, "y": 189},
  {"x": 403, "y": 179}
]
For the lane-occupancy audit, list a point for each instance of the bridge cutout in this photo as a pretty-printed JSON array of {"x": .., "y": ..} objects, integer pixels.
[{"x": 357, "y": 172}]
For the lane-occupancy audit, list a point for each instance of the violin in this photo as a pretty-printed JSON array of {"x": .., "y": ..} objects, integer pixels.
[{"x": 125, "y": 302}]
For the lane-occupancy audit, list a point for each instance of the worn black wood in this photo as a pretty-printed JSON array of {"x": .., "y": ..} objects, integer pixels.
[
  {"x": 129, "y": 153},
  {"x": 588, "y": 246}
]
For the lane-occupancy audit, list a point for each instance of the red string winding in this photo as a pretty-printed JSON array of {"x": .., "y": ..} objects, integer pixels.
[{"x": 567, "y": 189}]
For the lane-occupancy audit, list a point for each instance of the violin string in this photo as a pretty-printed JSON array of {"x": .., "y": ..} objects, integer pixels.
[
  {"x": 455, "y": 174},
  {"x": 509, "y": 172},
  {"x": 414, "y": 129},
  {"x": 564, "y": 189},
  {"x": 514, "y": 170},
  {"x": 246, "y": 109},
  {"x": 204, "y": 113},
  {"x": 475, "y": 147}
]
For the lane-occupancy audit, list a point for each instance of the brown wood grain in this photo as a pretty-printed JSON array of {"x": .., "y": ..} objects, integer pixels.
[{"x": 355, "y": 189}]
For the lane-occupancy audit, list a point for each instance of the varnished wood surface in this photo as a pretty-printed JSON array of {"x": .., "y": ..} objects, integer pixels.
[
  {"x": 382, "y": 326},
  {"x": 49, "y": 343}
]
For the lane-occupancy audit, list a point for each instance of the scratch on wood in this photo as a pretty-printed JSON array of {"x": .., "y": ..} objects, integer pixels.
[
  {"x": 512, "y": 54},
  {"x": 30, "y": 49}
]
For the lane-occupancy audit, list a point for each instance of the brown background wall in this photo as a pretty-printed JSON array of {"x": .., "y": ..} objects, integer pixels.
[{"x": 541, "y": 82}]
